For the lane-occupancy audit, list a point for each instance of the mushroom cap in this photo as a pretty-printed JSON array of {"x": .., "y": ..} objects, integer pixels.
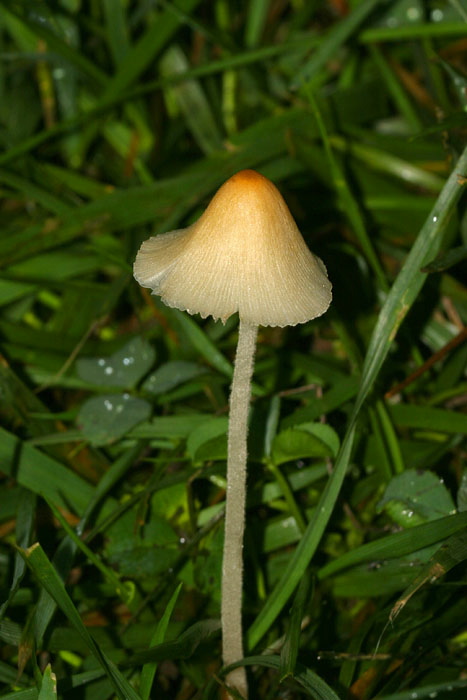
[{"x": 245, "y": 254}]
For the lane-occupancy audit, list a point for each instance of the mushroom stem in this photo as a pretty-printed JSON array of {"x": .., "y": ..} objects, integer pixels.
[{"x": 232, "y": 566}]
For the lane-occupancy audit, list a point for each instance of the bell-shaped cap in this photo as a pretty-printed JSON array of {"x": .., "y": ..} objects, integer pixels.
[{"x": 245, "y": 254}]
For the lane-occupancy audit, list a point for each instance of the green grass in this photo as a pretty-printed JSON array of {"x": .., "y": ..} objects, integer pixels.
[{"x": 118, "y": 120}]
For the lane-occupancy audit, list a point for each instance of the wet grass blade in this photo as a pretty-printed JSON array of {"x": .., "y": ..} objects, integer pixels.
[
  {"x": 398, "y": 302},
  {"x": 411, "y": 279},
  {"x": 340, "y": 33},
  {"x": 398, "y": 544},
  {"x": 39, "y": 472},
  {"x": 182, "y": 648},
  {"x": 48, "y": 578},
  {"x": 452, "y": 553}
]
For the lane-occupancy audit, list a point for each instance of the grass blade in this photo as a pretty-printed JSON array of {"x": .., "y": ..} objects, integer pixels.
[
  {"x": 410, "y": 279},
  {"x": 399, "y": 300},
  {"x": 49, "y": 685},
  {"x": 307, "y": 546},
  {"x": 347, "y": 200},
  {"x": 401, "y": 543},
  {"x": 25, "y": 521},
  {"x": 289, "y": 651},
  {"x": 338, "y": 35},
  {"x": 149, "y": 670},
  {"x": 48, "y": 578},
  {"x": 310, "y": 681}
]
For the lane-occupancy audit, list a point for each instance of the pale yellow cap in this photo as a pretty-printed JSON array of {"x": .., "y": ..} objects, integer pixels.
[{"x": 245, "y": 254}]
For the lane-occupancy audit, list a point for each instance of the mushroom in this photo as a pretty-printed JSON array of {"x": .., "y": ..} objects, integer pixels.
[{"x": 245, "y": 254}]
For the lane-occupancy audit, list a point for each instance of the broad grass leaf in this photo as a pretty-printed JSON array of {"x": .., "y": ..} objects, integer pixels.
[
  {"x": 437, "y": 420},
  {"x": 379, "y": 578},
  {"x": 304, "y": 440},
  {"x": 123, "y": 368},
  {"x": 142, "y": 555},
  {"x": 171, "y": 503},
  {"x": 213, "y": 449},
  {"x": 451, "y": 553},
  {"x": 398, "y": 544},
  {"x": 143, "y": 560},
  {"x": 325, "y": 434},
  {"x": 209, "y": 441},
  {"x": 40, "y": 473},
  {"x": 171, "y": 375},
  {"x": 280, "y": 532},
  {"x": 182, "y": 648},
  {"x": 173, "y": 427},
  {"x": 104, "y": 419},
  {"x": 344, "y": 390},
  {"x": 447, "y": 260},
  {"x": 416, "y": 496}
]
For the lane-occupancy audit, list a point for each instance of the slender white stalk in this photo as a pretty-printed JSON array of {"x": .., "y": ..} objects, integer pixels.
[{"x": 232, "y": 566}]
